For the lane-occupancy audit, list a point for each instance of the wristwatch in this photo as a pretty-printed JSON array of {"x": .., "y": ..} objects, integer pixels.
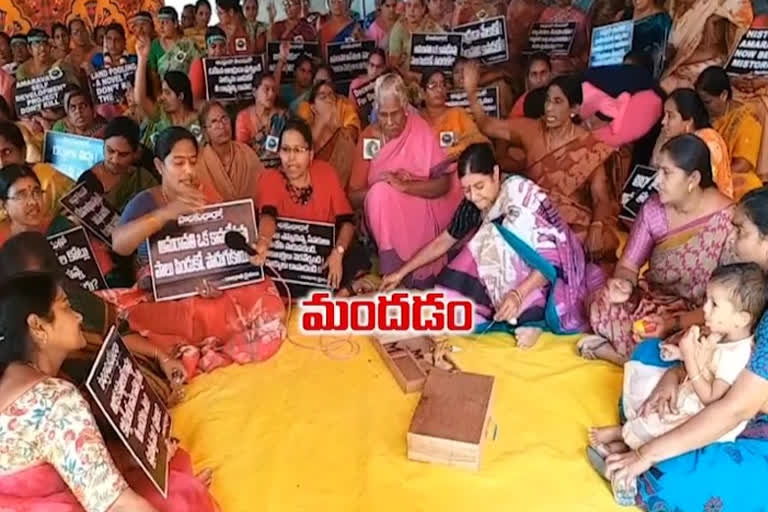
[{"x": 340, "y": 249}]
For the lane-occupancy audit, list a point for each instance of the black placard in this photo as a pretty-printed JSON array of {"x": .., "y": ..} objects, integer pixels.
[
  {"x": 485, "y": 40},
  {"x": 70, "y": 154},
  {"x": 231, "y": 78},
  {"x": 299, "y": 250},
  {"x": 551, "y": 38},
  {"x": 297, "y": 50},
  {"x": 434, "y": 52},
  {"x": 92, "y": 211},
  {"x": 365, "y": 96},
  {"x": 110, "y": 85},
  {"x": 193, "y": 249},
  {"x": 488, "y": 97},
  {"x": 751, "y": 55},
  {"x": 75, "y": 254},
  {"x": 349, "y": 60},
  {"x": 136, "y": 413},
  {"x": 34, "y": 94},
  {"x": 610, "y": 43},
  {"x": 639, "y": 186}
]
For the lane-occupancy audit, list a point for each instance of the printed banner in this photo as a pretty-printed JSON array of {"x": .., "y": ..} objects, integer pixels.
[
  {"x": 364, "y": 95},
  {"x": 349, "y": 60},
  {"x": 135, "y": 412},
  {"x": 231, "y": 78},
  {"x": 751, "y": 55},
  {"x": 92, "y": 211},
  {"x": 35, "y": 94},
  {"x": 193, "y": 249},
  {"x": 72, "y": 155},
  {"x": 488, "y": 97},
  {"x": 299, "y": 250},
  {"x": 110, "y": 85},
  {"x": 637, "y": 190},
  {"x": 297, "y": 50},
  {"x": 552, "y": 38},
  {"x": 434, "y": 52},
  {"x": 610, "y": 43},
  {"x": 75, "y": 254},
  {"x": 485, "y": 40}
]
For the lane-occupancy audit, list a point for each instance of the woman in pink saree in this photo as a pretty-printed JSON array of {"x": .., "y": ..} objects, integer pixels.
[
  {"x": 54, "y": 458},
  {"x": 403, "y": 181}
]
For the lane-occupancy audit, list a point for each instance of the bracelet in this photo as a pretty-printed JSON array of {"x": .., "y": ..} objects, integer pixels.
[
  {"x": 640, "y": 455},
  {"x": 517, "y": 296}
]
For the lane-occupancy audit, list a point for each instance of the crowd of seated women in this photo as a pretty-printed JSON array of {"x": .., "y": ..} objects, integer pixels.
[{"x": 522, "y": 213}]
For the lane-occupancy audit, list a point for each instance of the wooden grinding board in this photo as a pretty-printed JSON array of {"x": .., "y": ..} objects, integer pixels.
[
  {"x": 450, "y": 422},
  {"x": 404, "y": 367}
]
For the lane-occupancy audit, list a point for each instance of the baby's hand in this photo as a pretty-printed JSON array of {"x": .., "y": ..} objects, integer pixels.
[
  {"x": 689, "y": 340},
  {"x": 670, "y": 352}
]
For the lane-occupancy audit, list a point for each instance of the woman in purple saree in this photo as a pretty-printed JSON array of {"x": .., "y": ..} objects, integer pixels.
[{"x": 521, "y": 264}]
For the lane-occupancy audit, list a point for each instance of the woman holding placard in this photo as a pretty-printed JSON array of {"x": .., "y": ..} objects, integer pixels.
[
  {"x": 260, "y": 124},
  {"x": 42, "y": 60}
]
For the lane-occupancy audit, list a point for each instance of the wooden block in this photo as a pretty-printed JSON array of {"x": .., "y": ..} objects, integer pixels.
[
  {"x": 406, "y": 370},
  {"x": 450, "y": 423}
]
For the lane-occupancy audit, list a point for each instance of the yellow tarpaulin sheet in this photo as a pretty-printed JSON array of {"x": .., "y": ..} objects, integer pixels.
[{"x": 304, "y": 432}]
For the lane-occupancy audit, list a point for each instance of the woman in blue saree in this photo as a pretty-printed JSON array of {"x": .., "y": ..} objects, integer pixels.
[{"x": 681, "y": 470}]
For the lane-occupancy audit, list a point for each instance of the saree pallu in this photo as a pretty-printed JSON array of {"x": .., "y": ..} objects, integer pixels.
[
  {"x": 688, "y": 34},
  {"x": 676, "y": 282},
  {"x": 339, "y": 151},
  {"x": 400, "y": 223},
  {"x": 743, "y": 135},
  {"x": 178, "y": 58},
  {"x": 523, "y": 233},
  {"x": 238, "y": 181},
  {"x": 565, "y": 174},
  {"x": 328, "y": 35},
  {"x": 717, "y": 478},
  {"x": 41, "y": 489}
]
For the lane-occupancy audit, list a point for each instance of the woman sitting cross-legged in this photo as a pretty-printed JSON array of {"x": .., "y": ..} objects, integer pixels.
[
  {"x": 400, "y": 176},
  {"x": 229, "y": 316},
  {"x": 521, "y": 265},
  {"x": 683, "y": 234},
  {"x": 305, "y": 188},
  {"x": 55, "y": 457}
]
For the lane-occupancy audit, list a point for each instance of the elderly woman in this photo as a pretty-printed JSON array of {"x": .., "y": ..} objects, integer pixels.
[
  {"x": 682, "y": 233},
  {"x": 453, "y": 125},
  {"x": 294, "y": 27},
  {"x": 260, "y": 125},
  {"x": 308, "y": 189},
  {"x": 335, "y": 127},
  {"x": 738, "y": 125},
  {"x": 686, "y": 469},
  {"x": 231, "y": 166},
  {"x": 81, "y": 118},
  {"x": 393, "y": 188},
  {"x": 175, "y": 106},
  {"x": 214, "y": 313}
]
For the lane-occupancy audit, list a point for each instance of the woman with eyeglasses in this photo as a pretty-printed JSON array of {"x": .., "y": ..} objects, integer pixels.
[
  {"x": 294, "y": 27},
  {"x": 231, "y": 166},
  {"x": 81, "y": 118},
  {"x": 260, "y": 125},
  {"x": 306, "y": 188},
  {"x": 453, "y": 125},
  {"x": 42, "y": 60},
  {"x": 335, "y": 127}
]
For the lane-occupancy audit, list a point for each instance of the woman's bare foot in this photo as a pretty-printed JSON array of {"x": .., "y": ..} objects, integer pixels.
[
  {"x": 603, "y": 435},
  {"x": 527, "y": 336},
  {"x": 205, "y": 477}
]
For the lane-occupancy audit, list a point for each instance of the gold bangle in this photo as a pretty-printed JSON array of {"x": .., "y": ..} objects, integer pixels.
[
  {"x": 640, "y": 455},
  {"x": 516, "y": 295}
]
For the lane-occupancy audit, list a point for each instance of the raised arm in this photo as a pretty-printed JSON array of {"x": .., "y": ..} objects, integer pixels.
[
  {"x": 140, "y": 95},
  {"x": 494, "y": 128}
]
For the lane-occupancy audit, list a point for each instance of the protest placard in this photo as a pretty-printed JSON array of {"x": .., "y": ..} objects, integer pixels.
[
  {"x": 75, "y": 254},
  {"x": 70, "y": 154},
  {"x": 299, "y": 250},
  {"x": 297, "y": 50},
  {"x": 92, "y": 211},
  {"x": 365, "y": 97},
  {"x": 488, "y": 97},
  {"x": 485, "y": 40},
  {"x": 349, "y": 60},
  {"x": 42, "y": 92},
  {"x": 551, "y": 38},
  {"x": 434, "y": 52},
  {"x": 638, "y": 188},
  {"x": 610, "y": 43},
  {"x": 231, "y": 78},
  {"x": 193, "y": 249},
  {"x": 751, "y": 55},
  {"x": 135, "y": 412},
  {"x": 110, "y": 85}
]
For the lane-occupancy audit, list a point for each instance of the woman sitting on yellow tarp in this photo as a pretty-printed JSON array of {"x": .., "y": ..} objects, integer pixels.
[{"x": 737, "y": 124}]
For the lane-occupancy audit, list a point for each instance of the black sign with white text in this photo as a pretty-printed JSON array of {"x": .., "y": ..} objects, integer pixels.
[
  {"x": 109, "y": 85},
  {"x": 75, "y": 254},
  {"x": 751, "y": 55},
  {"x": 231, "y": 78},
  {"x": 186, "y": 252},
  {"x": 488, "y": 97},
  {"x": 434, "y": 52},
  {"x": 136, "y": 413},
  {"x": 297, "y": 50},
  {"x": 299, "y": 250},
  {"x": 637, "y": 190},
  {"x": 485, "y": 40},
  {"x": 610, "y": 43},
  {"x": 349, "y": 60},
  {"x": 364, "y": 96},
  {"x": 551, "y": 38},
  {"x": 93, "y": 212},
  {"x": 42, "y": 92},
  {"x": 70, "y": 154}
]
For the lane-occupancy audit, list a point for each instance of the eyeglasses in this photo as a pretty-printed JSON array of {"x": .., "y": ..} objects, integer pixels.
[
  {"x": 293, "y": 151},
  {"x": 25, "y": 195},
  {"x": 435, "y": 85}
]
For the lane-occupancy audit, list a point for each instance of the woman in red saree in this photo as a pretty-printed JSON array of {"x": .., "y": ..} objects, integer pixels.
[
  {"x": 55, "y": 459},
  {"x": 219, "y": 327},
  {"x": 683, "y": 233},
  {"x": 400, "y": 174}
]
